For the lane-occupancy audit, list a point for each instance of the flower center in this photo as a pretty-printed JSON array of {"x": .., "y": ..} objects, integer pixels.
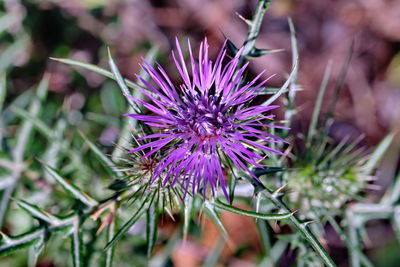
[{"x": 202, "y": 122}]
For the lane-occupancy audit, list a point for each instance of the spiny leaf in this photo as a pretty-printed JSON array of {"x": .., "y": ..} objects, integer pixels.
[
  {"x": 295, "y": 56},
  {"x": 252, "y": 214},
  {"x": 21, "y": 101},
  {"x": 267, "y": 170},
  {"x": 151, "y": 228},
  {"x": 129, "y": 123},
  {"x": 378, "y": 153},
  {"x": 13, "y": 244},
  {"x": 318, "y": 103},
  {"x": 110, "y": 235},
  {"x": 39, "y": 124},
  {"x": 213, "y": 215},
  {"x": 231, "y": 47},
  {"x": 285, "y": 85},
  {"x": 73, "y": 190},
  {"x": 25, "y": 130},
  {"x": 121, "y": 83},
  {"x": 187, "y": 212},
  {"x": 136, "y": 216},
  {"x": 262, "y": 52},
  {"x": 104, "y": 160},
  {"x": 38, "y": 213},
  {"x": 3, "y": 90},
  {"x": 269, "y": 91},
  {"x": 247, "y": 21},
  {"x": 23, "y": 137},
  {"x": 96, "y": 69}
]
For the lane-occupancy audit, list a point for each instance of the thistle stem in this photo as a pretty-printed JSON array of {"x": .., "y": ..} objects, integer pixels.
[
  {"x": 254, "y": 30},
  {"x": 301, "y": 227}
]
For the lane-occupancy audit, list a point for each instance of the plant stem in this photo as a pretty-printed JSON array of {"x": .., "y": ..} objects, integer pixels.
[
  {"x": 254, "y": 30},
  {"x": 301, "y": 227},
  {"x": 276, "y": 199}
]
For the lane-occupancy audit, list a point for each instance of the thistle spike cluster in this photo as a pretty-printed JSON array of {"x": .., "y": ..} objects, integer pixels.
[{"x": 203, "y": 121}]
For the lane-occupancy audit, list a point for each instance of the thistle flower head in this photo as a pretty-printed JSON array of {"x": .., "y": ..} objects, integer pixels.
[{"x": 204, "y": 122}]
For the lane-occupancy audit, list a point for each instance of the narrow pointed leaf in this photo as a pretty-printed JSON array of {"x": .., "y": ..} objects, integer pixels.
[
  {"x": 125, "y": 228},
  {"x": 110, "y": 236},
  {"x": 213, "y": 215},
  {"x": 187, "y": 213},
  {"x": 37, "y": 123},
  {"x": 23, "y": 136},
  {"x": 96, "y": 69},
  {"x": 3, "y": 90},
  {"x": 267, "y": 170},
  {"x": 70, "y": 188},
  {"x": 379, "y": 152},
  {"x": 121, "y": 83},
  {"x": 262, "y": 52},
  {"x": 151, "y": 228},
  {"x": 231, "y": 47},
  {"x": 252, "y": 214},
  {"x": 104, "y": 160},
  {"x": 285, "y": 86},
  {"x": 38, "y": 213},
  {"x": 318, "y": 103},
  {"x": 14, "y": 244}
]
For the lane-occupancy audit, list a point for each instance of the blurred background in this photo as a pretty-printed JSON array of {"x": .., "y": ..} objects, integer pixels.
[{"x": 32, "y": 31}]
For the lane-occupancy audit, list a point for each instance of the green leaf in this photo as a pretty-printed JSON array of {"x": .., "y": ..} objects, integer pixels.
[
  {"x": 96, "y": 69},
  {"x": 267, "y": 170},
  {"x": 187, "y": 214},
  {"x": 269, "y": 91},
  {"x": 21, "y": 101},
  {"x": 111, "y": 99},
  {"x": 339, "y": 85},
  {"x": 285, "y": 86},
  {"x": 213, "y": 215},
  {"x": 110, "y": 235},
  {"x": 151, "y": 228},
  {"x": 121, "y": 83},
  {"x": 104, "y": 160},
  {"x": 39, "y": 124},
  {"x": 25, "y": 130},
  {"x": 130, "y": 123},
  {"x": 23, "y": 136},
  {"x": 318, "y": 103},
  {"x": 70, "y": 188},
  {"x": 12, "y": 244},
  {"x": 379, "y": 152},
  {"x": 38, "y": 213},
  {"x": 215, "y": 253},
  {"x": 252, "y": 214},
  {"x": 3, "y": 90},
  {"x": 262, "y": 52},
  {"x": 136, "y": 216},
  {"x": 231, "y": 47}
]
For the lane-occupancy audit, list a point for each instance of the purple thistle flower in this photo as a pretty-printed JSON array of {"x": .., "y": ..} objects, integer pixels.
[{"x": 203, "y": 121}]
